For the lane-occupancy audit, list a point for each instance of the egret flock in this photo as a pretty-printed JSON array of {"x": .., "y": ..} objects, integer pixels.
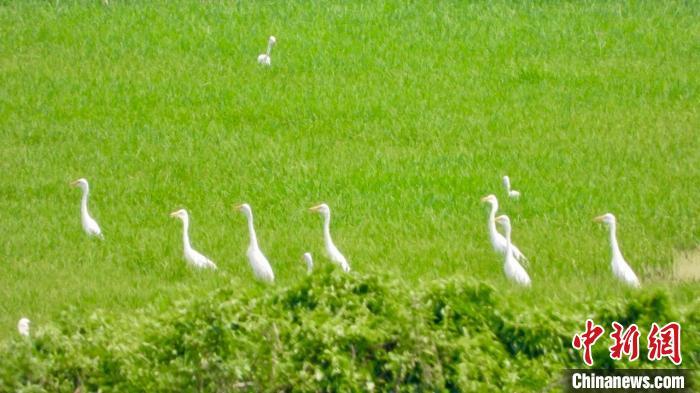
[{"x": 512, "y": 256}]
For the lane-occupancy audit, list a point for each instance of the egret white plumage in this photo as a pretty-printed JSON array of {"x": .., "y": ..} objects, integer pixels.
[
  {"x": 511, "y": 193},
  {"x": 90, "y": 226},
  {"x": 497, "y": 240},
  {"x": 331, "y": 250},
  {"x": 264, "y": 58},
  {"x": 261, "y": 267},
  {"x": 309, "y": 262},
  {"x": 620, "y": 267},
  {"x": 191, "y": 255},
  {"x": 514, "y": 271},
  {"x": 23, "y": 327}
]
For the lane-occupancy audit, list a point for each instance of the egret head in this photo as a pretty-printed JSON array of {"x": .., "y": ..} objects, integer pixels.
[
  {"x": 181, "y": 214},
  {"x": 491, "y": 199},
  {"x": 504, "y": 221},
  {"x": 245, "y": 208},
  {"x": 82, "y": 183},
  {"x": 607, "y": 218},
  {"x": 272, "y": 40},
  {"x": 23, "y": 326},
  {"x": 322, "y": 208}
]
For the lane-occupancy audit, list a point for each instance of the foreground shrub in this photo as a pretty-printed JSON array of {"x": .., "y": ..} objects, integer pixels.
[{"x": 331, "y": 332}]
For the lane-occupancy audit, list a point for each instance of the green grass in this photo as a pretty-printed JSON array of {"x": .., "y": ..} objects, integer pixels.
[{"x": 399, "y": 115}]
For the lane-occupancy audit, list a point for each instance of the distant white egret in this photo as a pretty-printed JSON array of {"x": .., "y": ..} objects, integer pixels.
[
  {"x": 23, "y": 327},
  {"x": 620, "y": 268},
  {"x": 89, "y": 224},
  {"x": 511, "y": 267},
  {"x": 261, "y": 267},
  {"x": 191, "y": 255},
  {"x": 511, "y": 193},
  {"x": 331, "y": 250},
  {"x": 497, "y": 240},
  {"x": 309, "y": 262},
  {"x": 264, "y": 58}
]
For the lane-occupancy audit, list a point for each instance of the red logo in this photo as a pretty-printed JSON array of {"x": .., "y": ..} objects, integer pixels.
[
  {"x": 626, "y": 342},
  {"x": 587, "y": 339},
  {"x": 664, "y": 342}
]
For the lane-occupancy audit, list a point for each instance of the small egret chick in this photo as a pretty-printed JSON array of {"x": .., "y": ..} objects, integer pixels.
[
  {"x": 511, "y": 193},
  {"x": 193, "y": 257},
  {"x": 23, "y": 327},
  {"x": 497, "y": 240},
  {"x": 511, "y": 267},
  {"x": 89, "y": 224},
  {"x": 261, "y": 267},
  {"x": 264, "y": 58},
  {"x": 332, "y": 251},
  {"x": 309, "y": 262},
  {"x": 620, "y": 268}
]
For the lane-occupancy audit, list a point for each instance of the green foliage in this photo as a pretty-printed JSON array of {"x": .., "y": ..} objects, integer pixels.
[{"x": 330, "y": 332}]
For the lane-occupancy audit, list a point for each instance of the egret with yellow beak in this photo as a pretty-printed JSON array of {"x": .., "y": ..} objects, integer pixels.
[
  {"x": 191, "y": 255},
  {"x": 265, "y": 59},
  {"x": 497, "y": 240},
  {"x": 513, "y": 194},
  {"x": 511, "y": 267},
  {"x": 261, "y": 267},
  {"x": 621, "y": 269},
  {"x": 90, "y": 226},
  {"x": 331, "y": 250}
]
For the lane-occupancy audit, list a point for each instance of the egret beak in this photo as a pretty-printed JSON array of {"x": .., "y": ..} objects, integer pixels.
[
  {"x": 599, "y": 219},
  {"x": 315, "y": 208},
  {"x": 74, "y": 183},
  {"x": 238, "y": 207},
  {"x": 173, "y": 214},
  {"x": 485, "y": 199}
]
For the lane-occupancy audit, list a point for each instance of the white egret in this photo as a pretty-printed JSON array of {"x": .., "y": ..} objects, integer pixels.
[
  {"x": 309, "y": 262},
  {"x": 511, "y": 193},
  {"x": 620, "y": 267},
  {"x": 264, "y": 58},
  {"x": 511, "y": 267},
  {"x": 332, "y": 251},
  {"x": 23, "y": 327},
  {"x": 89, "y": 224},
  {"x": 497, "y": 240},
  {"x": 191, "y": 255},
  {"x": 261, "y": 267}
]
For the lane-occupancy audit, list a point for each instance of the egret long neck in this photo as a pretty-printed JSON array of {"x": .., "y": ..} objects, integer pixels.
[
  {"x": 492, "y": 219},
  {"x": 83, "y": 202},
  {"x": 613, "y": 240},
  {"x": 251, "y": 230},
  {"x": 269, "y": 48},
  {"x": 327, "y": 230},
  {"x": 508, "y": 246},
  {"x": 186, "y": 233}
]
